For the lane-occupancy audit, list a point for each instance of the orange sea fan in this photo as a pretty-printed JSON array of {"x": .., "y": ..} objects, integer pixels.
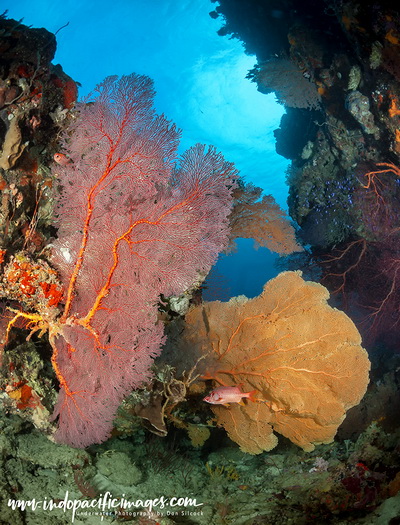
[
  {"x": 302, "y": 356},
  {"x": 259, "y": 217}
]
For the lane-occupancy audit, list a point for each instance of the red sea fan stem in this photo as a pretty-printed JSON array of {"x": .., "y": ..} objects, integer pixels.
[
  {"x": 63, "y": 383},
  {"x": 85, "y": 321},
  {"x": 85, "y": 236}
]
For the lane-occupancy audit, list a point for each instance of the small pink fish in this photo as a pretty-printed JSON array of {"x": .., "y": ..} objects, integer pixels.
[
  {"x": 224, "y": 395},
  {"x": 61, "y": 159}
]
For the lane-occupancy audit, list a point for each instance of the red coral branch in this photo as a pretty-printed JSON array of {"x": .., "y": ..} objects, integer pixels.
[{"x": 378, "y": 187}]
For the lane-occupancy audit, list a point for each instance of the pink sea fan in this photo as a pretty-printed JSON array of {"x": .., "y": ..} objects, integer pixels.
[{"x": 131, "y": 226}]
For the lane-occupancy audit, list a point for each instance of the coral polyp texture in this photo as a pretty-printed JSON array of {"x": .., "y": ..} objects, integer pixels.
[
  {"x": 32, "y": 283},
  {"x": 303, "y": 357},
  {"x": 131, "y": 225}
]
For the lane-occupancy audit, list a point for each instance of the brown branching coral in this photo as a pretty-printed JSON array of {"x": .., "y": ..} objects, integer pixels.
[
  {"x": 302, "y": 356},
  {"x": 263, "y": 220}
]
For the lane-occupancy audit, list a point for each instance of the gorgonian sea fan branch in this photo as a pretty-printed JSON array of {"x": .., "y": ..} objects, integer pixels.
[
  {"x": 301, "y": 355},
  {"x": 131, "y": 226},
  {"x": 111, "y": 164}
]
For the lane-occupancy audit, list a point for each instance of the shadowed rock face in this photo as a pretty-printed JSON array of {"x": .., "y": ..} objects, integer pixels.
[
  {"x": 35, "y": 99},
  {"x": 344, "y": 177}
]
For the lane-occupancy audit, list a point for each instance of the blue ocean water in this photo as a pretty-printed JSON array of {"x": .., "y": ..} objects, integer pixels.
[{"x": 200, "y": 82}]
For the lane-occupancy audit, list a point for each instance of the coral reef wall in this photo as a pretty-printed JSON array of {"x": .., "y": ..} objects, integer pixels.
[
  {"x": 335, "y": 67},
  {"x": 35, "y": 98}
]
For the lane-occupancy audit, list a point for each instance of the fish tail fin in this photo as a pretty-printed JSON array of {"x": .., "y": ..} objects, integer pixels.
[{"x": 252, "y": 395}]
